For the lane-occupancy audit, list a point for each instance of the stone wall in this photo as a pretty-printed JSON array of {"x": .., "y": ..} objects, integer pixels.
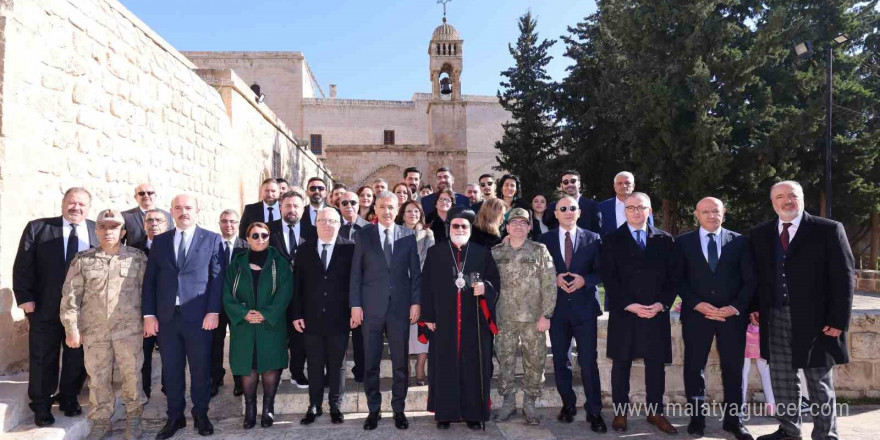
[
  {"x": 90, "y": 96},
  {"x": 868, "y": 280}
]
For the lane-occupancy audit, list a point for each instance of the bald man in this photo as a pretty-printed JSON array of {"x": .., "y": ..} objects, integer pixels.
[
  {"x": 135, "y": 233},
  {"x": 718, "y": 280},
  {"x": 181, "y": 306}
]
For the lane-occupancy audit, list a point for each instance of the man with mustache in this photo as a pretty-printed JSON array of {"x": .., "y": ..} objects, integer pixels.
[
  {"x": 47, "y": 247},
  {"x": 181, "y": 305},
  {"x": 316, "y": 192},
  {"x": 266, "y": 210},
  {"x": 412, "y": 176},
  {"x": 805, "y": 290},
  {"x": 351, "y": 221},
  {"x": 445, "y": 180},
  {"x": 155, "y": 223},
  {"x": 570, "y": 184},
  {"x": 135, "y": 229}
]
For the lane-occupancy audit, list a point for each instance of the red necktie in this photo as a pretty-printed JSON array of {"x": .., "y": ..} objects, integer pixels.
[{"x": 783, "y": 238}]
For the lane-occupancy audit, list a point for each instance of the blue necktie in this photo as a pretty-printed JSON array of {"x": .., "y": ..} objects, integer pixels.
[
  {"x": 712, "y": 250},
  {"x": 640, "y": 240}
]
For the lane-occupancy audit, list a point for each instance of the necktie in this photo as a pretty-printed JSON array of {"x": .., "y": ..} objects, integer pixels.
[
  {"x": 640, "y": 240},
  {"x": 784, "y": 237},
  {"x": 181, "y": 250},
  {"x": 291, "y": 237},
  {"x": 324, "y": 255},
  {"x": 386, "y": 246},
  {"x": 72, "y": 244},
  {"x": 569, "y": 249},
  {"x": 271, "y": 216},
  {"x": 228, "y": 251},
  {"x": 712, "y": 250}
]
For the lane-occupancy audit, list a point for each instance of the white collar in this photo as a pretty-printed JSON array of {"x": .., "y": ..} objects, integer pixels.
[
  {"x": 633, "y": 229},
  {"x": 321, "y": 243},
  {"x": 382, "y": 230},
  {"x": 66, "y": 224},
  {"x": 273, "y": 206},
  {"x": 704, "y": 232},
  {"x": 794, "y": 223}
]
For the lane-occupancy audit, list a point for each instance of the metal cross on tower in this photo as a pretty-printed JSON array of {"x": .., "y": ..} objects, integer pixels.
[{"x": 443, "y": 2}]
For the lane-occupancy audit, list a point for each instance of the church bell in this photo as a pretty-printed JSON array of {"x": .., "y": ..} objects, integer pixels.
[{"x": 445, "y": 89}]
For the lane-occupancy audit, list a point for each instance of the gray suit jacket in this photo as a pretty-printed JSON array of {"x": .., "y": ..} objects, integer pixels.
[
  {"x": 135, "y": 235},
  {"x": 385, "y": 292},
  {"x": 349, "y": 232}
]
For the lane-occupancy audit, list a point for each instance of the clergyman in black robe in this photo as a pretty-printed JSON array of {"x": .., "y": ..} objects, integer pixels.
[{"x": 460, "y": 355}]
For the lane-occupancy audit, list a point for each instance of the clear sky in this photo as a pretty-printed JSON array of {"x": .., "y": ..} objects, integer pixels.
[{"x": 370, "y": 49}]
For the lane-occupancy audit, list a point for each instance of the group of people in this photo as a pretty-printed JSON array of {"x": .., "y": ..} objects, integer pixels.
[{"x": 453, "y": 278}]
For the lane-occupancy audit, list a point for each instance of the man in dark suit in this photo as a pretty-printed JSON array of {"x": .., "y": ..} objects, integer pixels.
[
  {"x": 445, "y": 179},
  {"x": 570, "y": 184},
  {"x": 575, "y": 254},
  {"x": 717, "y": 283},
  {"x": 135, "y": 232},
  {"x": 385, "y": 297},
  {"x": 291, "y": 233},
  {"x": 232, "y": 244},
  {"x": 47, "y": 245},
  {"x": 181, "y": 305},
  {"x": 351, "y": 221},
  {"x": 612, "y": 211},
  {"x": 316, "y": 192},
  {"x": 321, "y": 278},
  {"x": 805, "y": 289},
  {"x": 640, "y": 273},
  {"x": 155, "y": 224},
  {"x": 266, "y": 210}
]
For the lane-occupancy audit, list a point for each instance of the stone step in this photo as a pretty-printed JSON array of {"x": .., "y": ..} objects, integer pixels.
[{"x": 13, "y": 401}]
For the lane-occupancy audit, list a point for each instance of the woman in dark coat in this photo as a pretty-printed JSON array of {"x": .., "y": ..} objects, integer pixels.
[
  {"x": 438, "y": 220},
  {"x": 256, "y": 292}
]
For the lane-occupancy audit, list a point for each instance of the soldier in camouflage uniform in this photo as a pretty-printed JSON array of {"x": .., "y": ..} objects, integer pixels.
[
  {"x": 101, "y": 309},
  {"x": 524, "y": 312}
]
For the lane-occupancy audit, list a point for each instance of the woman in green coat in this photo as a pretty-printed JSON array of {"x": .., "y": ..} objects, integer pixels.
[{"x": 256, "y": 292}]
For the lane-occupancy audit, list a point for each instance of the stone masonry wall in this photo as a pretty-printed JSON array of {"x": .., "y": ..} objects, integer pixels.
[
  {"x": 92, "y": 97},
  {"x": 868, "y": 280}
]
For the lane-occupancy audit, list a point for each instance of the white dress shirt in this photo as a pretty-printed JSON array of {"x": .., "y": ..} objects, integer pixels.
[
  {"x": 644, "y": 230},
  {"x": 149, "y": 243},
  {"x": 704, "y": 242},
  {"x": 791, "y": 229},
  {"x": 313, "y": 212},
  {"x": 619, "y": 211},
  {"x": 382, "y": 230},
  {"x": 286, "y": 234},
  {"x": 562, "y": 232},
  {"x": 321, "y": 244},
  {"x": 82, "y": 235},
  {"x": 276, "y": 213}
]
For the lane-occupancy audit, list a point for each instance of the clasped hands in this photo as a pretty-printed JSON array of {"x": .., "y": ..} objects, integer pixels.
[
  {"x": 715, "y": 313},
  {"x": 576, "y": 282},
  {"x": 643, "y": 311}
]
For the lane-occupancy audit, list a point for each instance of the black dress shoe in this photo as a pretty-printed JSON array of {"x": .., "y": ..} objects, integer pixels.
[
  {"x": 697, "y": 426},
  {"x": 312, "y": 414},
  {"x": 170, "y": 428},
  {"x": 475, "y": 426},
  {"x": 400, "y": 421},
  {"x": 336, "y": 416},
  {"x": 203, "y": 425},
  {"x": 442, "y": 425},
  {"x": 596, "y": 423},
  {"x": 147, "y": 392},
  {"x": 372, "y": 421},
  {"x": 738, "y": 430},
  {"x": 215, "y": 389},
  {"x": 779, "y": 435},
  {"x": 70, "y": 408},
  {"x": 44, "y": 418},
  {"x": 566, "y": 414}
]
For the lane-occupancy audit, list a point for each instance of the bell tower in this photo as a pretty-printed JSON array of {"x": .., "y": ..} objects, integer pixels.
[{"x": 447, "y": 115}]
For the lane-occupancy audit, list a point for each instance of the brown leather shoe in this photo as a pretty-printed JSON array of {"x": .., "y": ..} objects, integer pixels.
[
  {"x": 619, "y": 423},
  {"x": 662, "y": 424}
]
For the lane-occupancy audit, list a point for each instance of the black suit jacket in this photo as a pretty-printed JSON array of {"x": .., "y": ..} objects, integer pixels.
[
  {"x": 135, "y": 235},
  {"x": 590, "y": 218},
  {"x": 276, "y": 239},
  {"x": 584, "y": 262},
  {"x": 733, "y": 282},
  {"x": 632, "y": 275},
  {"x": 254, "y": 213},
  {"x": 39, "y": 268},
  {"x": 820, "y": 271},
  {"x": 321, "y": 296},
  {"x": 383, "y": 291}
]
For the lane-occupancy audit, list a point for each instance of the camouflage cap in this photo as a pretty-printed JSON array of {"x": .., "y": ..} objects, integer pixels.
[
  {"x": 518, "y": 213},
  {"x": 110, "y": 216}
]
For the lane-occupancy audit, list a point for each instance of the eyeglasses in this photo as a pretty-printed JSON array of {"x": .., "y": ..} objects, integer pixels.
[
  {"x": 571, "y": 208},
  {"x": 228, "y": 222},
  {"x": 317, "y": 188},
  {"x": 572, "y": 181},
  {"x": 348, "y": 202},
  {"x": 155, "y": 220},
  {"x": 633, "y": 209},
  {"x": 444, "y": 201},
  {"x": 327, "y": 221},
  {"x": 146, "y": 193},
  {"x": 487, "y": 183},
  {"x": 259, "y": 235},
  {"x": 460, "y": 226}
]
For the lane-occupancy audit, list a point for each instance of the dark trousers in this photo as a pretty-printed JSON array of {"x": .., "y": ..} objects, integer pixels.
[
  {"x": 655, "y": 384},
  {"x": 564, "y": 325},
  {"x": 182, "y": 343},
  {"x": 397, "y": 332},
  {"x": 147, "y": 368},
  {"x": 46, "y": 338},
  {"x": 357, "y": 347},
  {"x": 297, "y": 350},
  {"x": 219, "y": 337},
  {"x": 326, "y": 352},
  {"x": 730, "y": 338}
]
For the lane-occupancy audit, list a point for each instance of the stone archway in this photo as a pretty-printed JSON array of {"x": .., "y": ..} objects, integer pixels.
[{"x": 390, "y": 172}]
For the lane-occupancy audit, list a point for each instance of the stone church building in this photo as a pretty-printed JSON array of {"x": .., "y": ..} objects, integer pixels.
[{"x": 360, "y": 140}]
